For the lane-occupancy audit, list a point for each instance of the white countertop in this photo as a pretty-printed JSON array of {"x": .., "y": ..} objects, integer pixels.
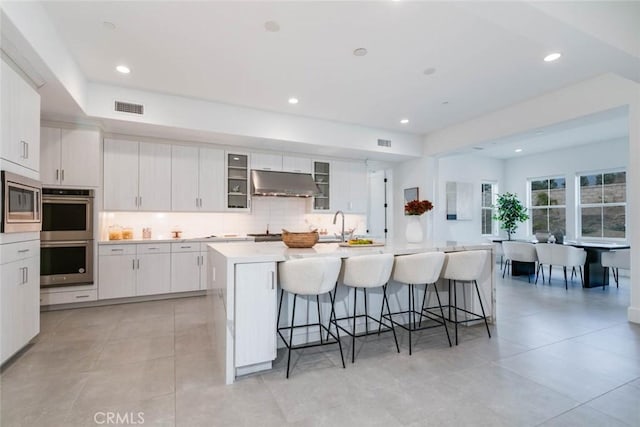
[
  {"x": 277, "y": 251},
  {"x": 180, "y": 240}
]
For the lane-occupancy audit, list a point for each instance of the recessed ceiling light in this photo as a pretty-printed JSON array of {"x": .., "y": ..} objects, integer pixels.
[
  {"x": 404, "y": 121},
  {"x": 552, "y": 57},
  {"x": 429, "y": 71},
  {"x": 108, "y": 25},
  {"x": 123, "y": 69},
  {"x": 360, "y": 51},
  {"x": 272, "y": 26},
  {"x": 518, "y": 150},
  {"x": 293, "y": 100}
]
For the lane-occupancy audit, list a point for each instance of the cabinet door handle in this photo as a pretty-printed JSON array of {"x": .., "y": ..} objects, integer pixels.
[
  {"x": 25, "y": 275},
  {"x": 82, "y": 296},
  {"x": 185, "y": 247},
  {"x": 140, "y": 201},
  {"x": 26, "y": 149},
  {"x": 152, "y": 249},
  {"x": 21, "y": 251},
  {"x": 135, "y": 201},
  {"x": 62, "y": 175},
  {"x": 273, "y": 280},
  {"x": 117, "y": 250},
  {"x": 133, "y": 264},
  {"x": 138, "y": 263},
  {"x": 57, "y": 174}
]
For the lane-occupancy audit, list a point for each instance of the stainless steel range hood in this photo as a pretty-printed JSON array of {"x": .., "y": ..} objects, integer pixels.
[{"x": 282, "y": 184}]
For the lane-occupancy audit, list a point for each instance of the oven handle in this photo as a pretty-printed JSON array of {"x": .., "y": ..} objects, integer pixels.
[
  {"x": 49, "y": 198},
  {"x": 65, "y": 243}
]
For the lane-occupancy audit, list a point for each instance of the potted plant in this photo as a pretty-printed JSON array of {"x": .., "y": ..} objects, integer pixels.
[
  {"x": 414, "y": 209},
  {"x": 510, "y": 213}
]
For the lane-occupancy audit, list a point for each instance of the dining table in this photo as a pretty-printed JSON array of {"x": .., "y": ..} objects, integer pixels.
[{"x": 595, "y": 275}]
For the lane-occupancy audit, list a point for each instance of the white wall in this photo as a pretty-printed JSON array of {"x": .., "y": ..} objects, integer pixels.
[
  {"x": 567, "y": 163},
  {"x": 473, "y": 169},
  {"x": 421, "y": 173}
]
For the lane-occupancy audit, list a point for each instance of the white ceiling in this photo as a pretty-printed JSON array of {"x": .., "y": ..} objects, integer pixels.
[{"x": 487, "y": 56}]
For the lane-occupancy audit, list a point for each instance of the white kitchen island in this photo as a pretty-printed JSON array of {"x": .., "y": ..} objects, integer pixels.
[{"x": 243, "y": 293}]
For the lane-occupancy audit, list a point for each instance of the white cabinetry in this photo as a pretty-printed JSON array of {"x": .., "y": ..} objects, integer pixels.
[
  {"x": 197, "y": 179},
  {"x": 237, "y": 181},
  {"x": 188, "y": 269},
  {"x": 349, "y": 186},
  {"x": 266, "y": 161},
  {"x": 69, "y": 157},
  {"x": 20, "y": 117},
  {"x": 133, "y": 270},
  {"x": 255, "y": 313},
  {"x": 296, "y": 164},
  {"x": 19, "y": 295},
  {"x": 280, "y": 163},
  {"x": 137, "y": 176}
]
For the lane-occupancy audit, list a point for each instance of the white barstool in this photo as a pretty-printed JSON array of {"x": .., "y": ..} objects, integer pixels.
[
  {"x": 309, "y": 277},
  {"x": 367, "y": 271},
  {"x": 419, "y": 269},
  {"x": 465, "y": 267},
  {"x": 614, "y": 260}
]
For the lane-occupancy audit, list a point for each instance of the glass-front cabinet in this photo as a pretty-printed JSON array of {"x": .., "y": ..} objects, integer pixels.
[
  {"x": 322, "y": 177},
  {"x": 237, "y": 181}
]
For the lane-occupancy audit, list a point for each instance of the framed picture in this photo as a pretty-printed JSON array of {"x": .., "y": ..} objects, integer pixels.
[{"x": 410, "y": 194}]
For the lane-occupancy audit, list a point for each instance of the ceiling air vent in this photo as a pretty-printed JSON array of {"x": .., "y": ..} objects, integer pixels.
[
  {"x": 127, "y": 107},
  {"x": 384, "y": 143}
]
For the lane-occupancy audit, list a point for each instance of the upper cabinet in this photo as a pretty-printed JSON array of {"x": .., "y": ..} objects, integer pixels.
[
  {"x": 237, "y": 181},
  {"x": 349, "y": 190},
  {"x": 322, "y": 178},
  {"x": 280, "y": 163},
  {"x": 69, "y": 157},
  {"x": 20, "y": 106},
  {"x": 137, "y": 176},
  {"x": 266, "y": 161},
  {"x": 296, "y": 164},
  {"x": 197, "y": 183}
]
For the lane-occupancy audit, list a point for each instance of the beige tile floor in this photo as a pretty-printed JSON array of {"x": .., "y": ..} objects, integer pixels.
[{"x": 556, "y": 358}]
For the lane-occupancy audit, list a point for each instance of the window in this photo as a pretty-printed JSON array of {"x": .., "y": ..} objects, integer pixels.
[
  {"x": 488, "y": 191},
  {"x": 603, "y": 205},
  {"x": 548, "y": 205}
]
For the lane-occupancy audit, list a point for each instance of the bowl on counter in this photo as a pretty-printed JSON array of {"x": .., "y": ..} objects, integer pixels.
[{"x": 305, "y": 239}]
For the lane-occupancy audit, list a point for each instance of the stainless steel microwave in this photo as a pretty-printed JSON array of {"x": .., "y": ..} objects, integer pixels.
[{"x": 21, "y": 204}]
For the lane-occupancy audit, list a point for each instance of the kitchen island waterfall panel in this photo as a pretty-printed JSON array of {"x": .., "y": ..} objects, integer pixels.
[{"x": 224, "y": 284}]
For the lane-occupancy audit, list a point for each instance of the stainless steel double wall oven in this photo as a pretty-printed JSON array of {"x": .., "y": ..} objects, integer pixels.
[{"x": 66, "y": 239}]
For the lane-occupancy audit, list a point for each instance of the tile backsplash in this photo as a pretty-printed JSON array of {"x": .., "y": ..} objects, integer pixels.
[{"x": 293, "y": 214}]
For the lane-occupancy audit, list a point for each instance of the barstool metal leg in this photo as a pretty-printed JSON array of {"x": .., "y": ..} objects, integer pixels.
[
  {"x": 385, "y": 299},
  {"x": 424, "y": 300},
  {"x": 410, "y": 294},
  {"x": 353, "y": 337},
  {"x": 444, "y": 323},
  {"x": 293, "y": 318},
  {"x": 455, "y": 309},
  {"x": 333, "y": 314},
  {"x": 319, "y": 318},
  {"x": 482, "y": 308},
  {"x": 366, "y": 312},
  {"x": 279, "y": 308}
]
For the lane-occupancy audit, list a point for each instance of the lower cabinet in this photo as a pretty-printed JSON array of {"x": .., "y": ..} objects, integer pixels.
[
  {"x": 133, "y": 270},
  {"x": 255, "y": 313},
  {"x": 188, "y": 269},
  {"x": 19, "y": 296}
]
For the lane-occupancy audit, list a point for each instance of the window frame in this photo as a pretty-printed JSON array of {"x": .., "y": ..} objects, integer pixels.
[
  {"x": 580, "y": 205},
  {"x": 494, "y": 200},
  {"x": 531, "y": 207}
]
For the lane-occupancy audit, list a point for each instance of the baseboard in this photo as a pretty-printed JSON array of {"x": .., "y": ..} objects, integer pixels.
[{"x": 633, "y": 314}]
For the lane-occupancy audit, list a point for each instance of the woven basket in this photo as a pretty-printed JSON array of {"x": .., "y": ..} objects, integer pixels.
[{"x": 300, "y": 240}]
